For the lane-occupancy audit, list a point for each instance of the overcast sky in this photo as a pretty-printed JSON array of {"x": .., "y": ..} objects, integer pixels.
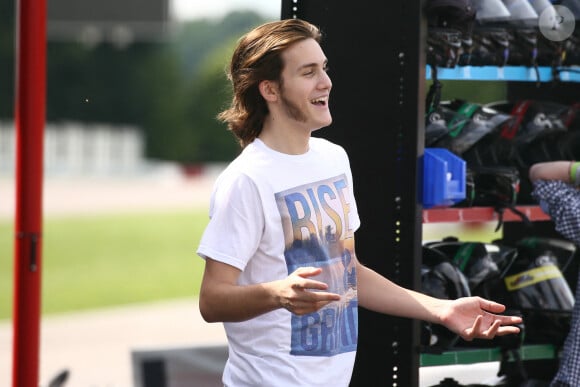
[{"x": 191, "y": 9}]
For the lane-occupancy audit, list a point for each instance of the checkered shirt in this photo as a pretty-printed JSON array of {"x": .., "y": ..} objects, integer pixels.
[{"x": 561, "y": 201}]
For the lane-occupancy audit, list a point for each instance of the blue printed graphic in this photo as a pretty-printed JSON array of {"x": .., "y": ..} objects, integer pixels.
[{"x": 317, "y": 232}]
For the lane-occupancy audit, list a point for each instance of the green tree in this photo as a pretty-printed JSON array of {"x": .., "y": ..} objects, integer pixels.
[
  {"x": 210, "y": 95},
  {"x": 204, "y": 48},
  {"x": 172, "y": 90}
]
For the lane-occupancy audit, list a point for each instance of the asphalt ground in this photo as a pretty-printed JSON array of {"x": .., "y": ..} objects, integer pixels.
[{"x": 96, "y": 347}]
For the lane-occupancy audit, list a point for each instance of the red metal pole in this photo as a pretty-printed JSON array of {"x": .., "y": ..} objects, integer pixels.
[{"x": 30, "y": 107}]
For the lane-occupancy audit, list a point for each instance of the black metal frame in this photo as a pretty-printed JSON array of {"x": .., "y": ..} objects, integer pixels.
[{"x": 377, "y": 64}]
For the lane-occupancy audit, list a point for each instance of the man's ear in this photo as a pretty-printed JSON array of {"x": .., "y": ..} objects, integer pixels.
[{"x": 269, "y": 90}]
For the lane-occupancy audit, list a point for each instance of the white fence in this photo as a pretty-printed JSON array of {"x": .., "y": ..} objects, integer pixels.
[{"x": 73, "y": 148}]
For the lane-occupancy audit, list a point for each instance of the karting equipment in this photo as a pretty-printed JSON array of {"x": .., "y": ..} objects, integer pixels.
[
  {"x": 450, "y": 24},
  {"x": 498, "y": 187},
  {"x": 491, "y": 46},
  {"x": 533, "y": 128},
  {"x": 535, "y": 285},
  {"x": 440, "y": 278},
  {"x": 443, "y": 47},
  {"x": 453, "y": 14},
  {"x": 480, "y": 262},
  {"x": 472, "y": 129}
]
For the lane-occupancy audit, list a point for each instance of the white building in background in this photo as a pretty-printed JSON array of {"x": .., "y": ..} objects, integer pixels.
[{"x": 80, "y": 149}]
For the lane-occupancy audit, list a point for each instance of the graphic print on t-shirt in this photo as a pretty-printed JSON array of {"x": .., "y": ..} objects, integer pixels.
[{"x": 315, "y": 220}]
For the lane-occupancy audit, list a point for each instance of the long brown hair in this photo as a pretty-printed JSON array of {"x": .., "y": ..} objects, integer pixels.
[{"x": 257, "y": 57}]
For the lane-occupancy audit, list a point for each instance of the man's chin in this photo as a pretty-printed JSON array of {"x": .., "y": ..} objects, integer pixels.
[{"x": 323, "y": 125}]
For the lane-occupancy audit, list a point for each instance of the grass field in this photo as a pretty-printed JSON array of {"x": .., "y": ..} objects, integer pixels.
[{"x": 104, "y": 260}]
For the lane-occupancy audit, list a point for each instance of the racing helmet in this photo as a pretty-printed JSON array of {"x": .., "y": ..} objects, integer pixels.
[
  {"x": 472, "y": 127},
  {"x": 532, "y": 130},
  {"x": 440, "y": 278},
  {"x": 482, "y": 263},
  {"x": 450, "y": 24},
  {"x": 535, "y": 285},
  {"x": 454, "y": 14}
]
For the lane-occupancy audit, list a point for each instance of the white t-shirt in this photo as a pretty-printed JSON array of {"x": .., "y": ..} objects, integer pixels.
[{"x": 271, "y": 213}]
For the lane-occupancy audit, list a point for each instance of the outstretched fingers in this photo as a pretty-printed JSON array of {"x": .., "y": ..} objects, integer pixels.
[
  {"x": 304, "y": 294},
  {"x": 488, "y": 323}
]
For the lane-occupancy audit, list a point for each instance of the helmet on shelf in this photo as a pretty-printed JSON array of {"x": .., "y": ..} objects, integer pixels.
[
  {"x": 443, "y": 47},
  {"x": 450, "y": 24},
  {"x": 442, "y": 279},
  {"x": 436, "y": 127},
  {"x": 523, "y": 44},
  {"x": 491, "y": 46},
  {"x": 562, "y": 250},
  {"x": 454, "y": 14},
  {"x": 472, "y": 127},
  {"x": 535, "y": 285},
  {"x": 523, "y": 33},
  {"x": 480, "y": 262},
  {"x": 533, "y": 128},
  {"x": 483, "y": 265}
]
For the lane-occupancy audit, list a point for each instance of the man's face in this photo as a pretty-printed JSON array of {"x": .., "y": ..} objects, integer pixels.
[{"x": 305, "y": 85}]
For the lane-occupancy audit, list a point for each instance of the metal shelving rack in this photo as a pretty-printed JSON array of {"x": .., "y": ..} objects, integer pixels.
[{"x": 377, "y": 65}]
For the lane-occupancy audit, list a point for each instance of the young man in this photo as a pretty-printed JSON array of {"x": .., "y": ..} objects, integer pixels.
[
  {"x": 556, "y": 189},
  {"x": 281, "y": 271}
]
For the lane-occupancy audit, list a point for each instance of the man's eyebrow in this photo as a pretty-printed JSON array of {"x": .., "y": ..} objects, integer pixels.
[{"x": 313, "y": 64}]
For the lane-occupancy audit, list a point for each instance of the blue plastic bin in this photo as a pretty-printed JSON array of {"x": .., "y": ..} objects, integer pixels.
[{"x": 443, "y": 178}]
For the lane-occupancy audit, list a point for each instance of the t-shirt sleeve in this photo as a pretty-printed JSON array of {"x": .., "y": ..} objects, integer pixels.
[
  {"x": 236, "y": 222},
  {"x": 562, "y": 202}
]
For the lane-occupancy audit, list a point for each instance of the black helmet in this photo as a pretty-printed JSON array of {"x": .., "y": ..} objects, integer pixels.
[
  {"x": 562, "y": 250},
  {"x": 491, "y": 46},
  {"x": 471, "y": 128},
  {"x": 436, "y": 126},
  {"x": 440, "y": 278},
  {"x": 533, "y": 118},
  {"x": 450, "y": 24},
  {"x": 535, "y": 285},
  {"x": 458, "y": 15},
  {"x": 523, "y": 47},
  {"x": 482, "y": 263},
  {"x": 533, "y": 126},
  {"x": 443, "y": 47},
  {"x": 523, "y": 33}
]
